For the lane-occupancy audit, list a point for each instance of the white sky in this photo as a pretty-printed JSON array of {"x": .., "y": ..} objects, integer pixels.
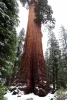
[{"x": 59, "y": 8}]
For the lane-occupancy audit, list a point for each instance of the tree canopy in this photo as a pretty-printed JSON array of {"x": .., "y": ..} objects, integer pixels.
[
  {"x": 56, "y": 60},
  {"x": 8, "y": 38},
  {"x": 52, "y": 60},
  {"x": 43, "y": 11}
]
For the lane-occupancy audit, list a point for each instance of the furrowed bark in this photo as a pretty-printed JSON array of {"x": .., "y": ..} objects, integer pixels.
[{"x": 32, "y": 72}]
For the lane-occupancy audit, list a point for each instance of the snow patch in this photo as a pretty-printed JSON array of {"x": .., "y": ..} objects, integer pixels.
[
  {"x": 45, "y": 81},
  {"x": 30, "y": 96}
]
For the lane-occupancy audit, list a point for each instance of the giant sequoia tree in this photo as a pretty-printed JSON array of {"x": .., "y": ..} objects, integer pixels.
[{"x": 32, "y": 72}]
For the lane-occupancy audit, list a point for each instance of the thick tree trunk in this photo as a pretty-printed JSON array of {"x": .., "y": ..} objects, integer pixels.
[{"x": 32, "y": 72}]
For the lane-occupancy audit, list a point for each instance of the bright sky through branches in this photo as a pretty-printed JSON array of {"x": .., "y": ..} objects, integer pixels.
[{"x": 59, "y": 8}]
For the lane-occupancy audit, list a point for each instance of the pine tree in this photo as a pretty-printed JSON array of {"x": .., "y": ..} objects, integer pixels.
[
  {"x": 53, "y": 60},
  {"x": 63, "y": 41},
  {"x": 21, "y": 39},
  {"x": 60, "y": 81},
  {"x": 20, "y": 45},
  {"x": 63, "y": 64},
  {"x": 8, "y": 38}
]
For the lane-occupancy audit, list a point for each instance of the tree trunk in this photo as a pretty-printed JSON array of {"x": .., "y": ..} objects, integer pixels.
[
  {"x": 13, "y": 74},
  {"x": 32, "y": 72}
]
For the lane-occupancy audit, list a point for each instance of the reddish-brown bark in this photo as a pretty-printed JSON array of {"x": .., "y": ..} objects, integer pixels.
[{"x": 32, "y": 72}]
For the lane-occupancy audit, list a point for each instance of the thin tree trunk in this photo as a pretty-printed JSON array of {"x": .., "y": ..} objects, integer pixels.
[
  {"x": 13, "y": 74},
  {"x": 56, "y": 66},
  {"x": 53, "y": 78},
  {"x": 32, "y": 72}
]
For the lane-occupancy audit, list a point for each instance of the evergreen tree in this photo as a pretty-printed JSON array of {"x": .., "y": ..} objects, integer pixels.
[
  {"x": 53, "y": 59},
  {"x": 21, "y": 39},
  {"x": 63, "y": 41},
  {"x": 20, "y": 45},
  {"x": 8, "y": 38},
  {"x": 32, "y": 72},
  {"x": 63, "y": 63}
]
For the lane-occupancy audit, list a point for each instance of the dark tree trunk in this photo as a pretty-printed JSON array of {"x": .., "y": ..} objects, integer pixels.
[
  {"x": 32, "y": 72},
  {"x": 13, "y": 74},
  {"x": 53, "y": 78},
  {"x": 7, "y": 83}
]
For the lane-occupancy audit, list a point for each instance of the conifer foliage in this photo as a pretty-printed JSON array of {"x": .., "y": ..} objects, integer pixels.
[
  {"x": 43, "y": 11},
  {"x": 56, "y": 60},
  {"x": 17, "y": 62},
  {"x": 53, "y": 60},
  {"x": 8, "y": 38}
]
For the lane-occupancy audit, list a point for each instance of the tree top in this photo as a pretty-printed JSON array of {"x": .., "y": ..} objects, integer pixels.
[{"x": 43, "y": 11}]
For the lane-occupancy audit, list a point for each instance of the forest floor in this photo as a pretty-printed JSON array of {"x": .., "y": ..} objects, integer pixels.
[
  {"x": 30, "y": 96},
  {"x": 60, "y": 94}
]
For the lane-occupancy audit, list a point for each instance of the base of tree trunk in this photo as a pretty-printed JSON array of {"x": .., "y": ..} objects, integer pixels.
[{"x": 40, "y": 88}]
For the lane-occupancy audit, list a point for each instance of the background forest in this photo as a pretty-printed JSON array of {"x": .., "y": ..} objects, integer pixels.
[{"x": 11, "y": 49}]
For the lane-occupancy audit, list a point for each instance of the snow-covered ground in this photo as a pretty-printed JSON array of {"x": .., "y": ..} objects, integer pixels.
[{"x": 30, "y": 96}]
